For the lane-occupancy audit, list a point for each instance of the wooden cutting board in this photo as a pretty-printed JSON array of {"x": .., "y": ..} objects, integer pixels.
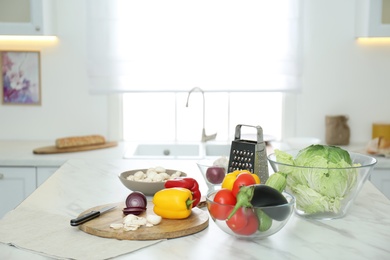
[
  {"x": 168, "y": 228},
  {"x": 54, "y": 149}
]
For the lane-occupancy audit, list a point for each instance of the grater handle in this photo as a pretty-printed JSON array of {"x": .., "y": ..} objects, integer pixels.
[{"x": 237, "y": 134}]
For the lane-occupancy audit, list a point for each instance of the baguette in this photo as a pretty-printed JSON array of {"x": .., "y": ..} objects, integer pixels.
[
  {"x": 76, "y": 141},
  {"x": 383, "y": 143},
  {"x": 378, "y": 145}
]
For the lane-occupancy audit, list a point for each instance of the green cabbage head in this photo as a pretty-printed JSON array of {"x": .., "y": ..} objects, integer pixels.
[{"x": 320, "y": 177}]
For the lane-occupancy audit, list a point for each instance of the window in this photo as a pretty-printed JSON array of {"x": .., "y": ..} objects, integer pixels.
[
  {"x": 175, "y": 45},
  {"x": 245, "y": 55},
  {"x": 164, "y": 117}
]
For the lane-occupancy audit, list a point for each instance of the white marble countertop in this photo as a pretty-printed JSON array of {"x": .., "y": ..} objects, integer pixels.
[
  {"x": 20, "y": 153},
  {"x": 81, "y": 184}
]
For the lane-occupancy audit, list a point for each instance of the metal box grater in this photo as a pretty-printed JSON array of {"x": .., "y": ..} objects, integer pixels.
[{"x": 249, "y": 155}]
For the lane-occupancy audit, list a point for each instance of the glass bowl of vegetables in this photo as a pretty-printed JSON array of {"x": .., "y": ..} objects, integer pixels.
[
  {"x": 263, "y": 211},
  {"x": 325, "y": 180}
]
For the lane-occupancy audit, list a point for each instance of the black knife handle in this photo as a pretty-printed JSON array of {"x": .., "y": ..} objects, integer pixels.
[{"x": 84, "y": 218}]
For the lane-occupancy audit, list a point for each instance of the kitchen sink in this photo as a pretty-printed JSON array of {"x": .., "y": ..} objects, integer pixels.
[
  {"x": 217, "y": 150},
  {"x": 178, "y": 150},
  {"x": 167, "y": 150}
]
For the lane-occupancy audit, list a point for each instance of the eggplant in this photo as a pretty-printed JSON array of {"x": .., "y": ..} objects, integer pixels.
[
  {"x": 266, "y": 196},
  {"x": 261, "y": 195}
]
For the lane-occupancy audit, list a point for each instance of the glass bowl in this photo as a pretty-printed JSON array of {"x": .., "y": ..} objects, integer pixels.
[
  {"x": 261, "y": 222},
  {"x": 212, "y": 175},
  {"x": 320, "y": 193}
]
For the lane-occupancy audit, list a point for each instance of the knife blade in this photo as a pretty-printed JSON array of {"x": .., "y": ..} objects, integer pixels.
[{"x": 89, "y": 216}]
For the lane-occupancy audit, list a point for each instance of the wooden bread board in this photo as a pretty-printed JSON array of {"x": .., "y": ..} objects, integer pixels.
[
  {"x": 168, "y": 228},
  {"x": 55, "y": 149}
]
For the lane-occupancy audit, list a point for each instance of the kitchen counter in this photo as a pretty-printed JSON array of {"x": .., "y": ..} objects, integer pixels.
[
  {"x": 20, "y": 153},
  {"x": 80, "y": 184}
]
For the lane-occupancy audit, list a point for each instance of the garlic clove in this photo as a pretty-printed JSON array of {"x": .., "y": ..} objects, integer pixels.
[
  {"x": 131, "y": 227},
  {"x": 153, "y": 219},
  {"x": 116, "y": 226}
]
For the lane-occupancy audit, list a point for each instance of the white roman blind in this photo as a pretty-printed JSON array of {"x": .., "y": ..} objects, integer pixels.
[{"x": 175, "y": 45}]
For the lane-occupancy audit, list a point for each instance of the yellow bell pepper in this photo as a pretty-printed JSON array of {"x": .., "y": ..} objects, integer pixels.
[
  {"x": 230, "y": 178},
  {"x": 257, "y": 178},
  {"x": 173, "y": 203}
]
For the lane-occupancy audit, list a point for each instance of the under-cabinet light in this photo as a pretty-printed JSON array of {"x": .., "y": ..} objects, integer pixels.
[
  {"x": 28, "y": 38},
  {"x": 20, "y": 42},
  {"x": 374, "y": 40}
]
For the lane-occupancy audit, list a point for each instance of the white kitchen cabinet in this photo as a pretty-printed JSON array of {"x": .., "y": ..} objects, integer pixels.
[
  {"x": 373, "y": 18},
  {"x": 380, "y": 177},
  {"x": 16, "y": 184},
  {"x": 27, "y": 17},
  {"x": 43, "y": 173}
]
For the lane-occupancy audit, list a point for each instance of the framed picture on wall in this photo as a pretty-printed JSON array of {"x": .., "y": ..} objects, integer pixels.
[{"x": 20, "y": 77}]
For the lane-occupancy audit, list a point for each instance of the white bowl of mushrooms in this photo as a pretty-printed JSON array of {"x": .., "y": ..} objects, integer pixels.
[{"x": 148, "y": 181}]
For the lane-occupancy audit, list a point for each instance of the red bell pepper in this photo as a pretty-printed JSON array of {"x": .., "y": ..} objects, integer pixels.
[{"x": 188, "y": 183}]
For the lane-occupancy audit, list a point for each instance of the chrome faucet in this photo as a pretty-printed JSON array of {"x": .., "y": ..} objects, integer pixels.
[{"x": 205, "y": 137}]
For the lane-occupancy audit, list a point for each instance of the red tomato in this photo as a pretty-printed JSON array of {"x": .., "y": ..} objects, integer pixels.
[
  {"x": 251, "y": 226},
  {"x": 238, "y": 221},
  {"x": 225, "y": 196},
  {"x": 222, "y": 197},
  {"x": 243, "y": 179}
]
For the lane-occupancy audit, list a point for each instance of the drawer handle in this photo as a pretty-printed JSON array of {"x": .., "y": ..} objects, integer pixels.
[{"x": 1, "y": 176}]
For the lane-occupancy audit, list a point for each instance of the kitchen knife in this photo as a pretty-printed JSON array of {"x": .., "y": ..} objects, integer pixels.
[{"x": 88, "y": 216}]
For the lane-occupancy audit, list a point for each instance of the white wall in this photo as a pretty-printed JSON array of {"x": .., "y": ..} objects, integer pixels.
[
  {"x": 67, "y": 107},
  {"x": 341, "y": 76}
]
